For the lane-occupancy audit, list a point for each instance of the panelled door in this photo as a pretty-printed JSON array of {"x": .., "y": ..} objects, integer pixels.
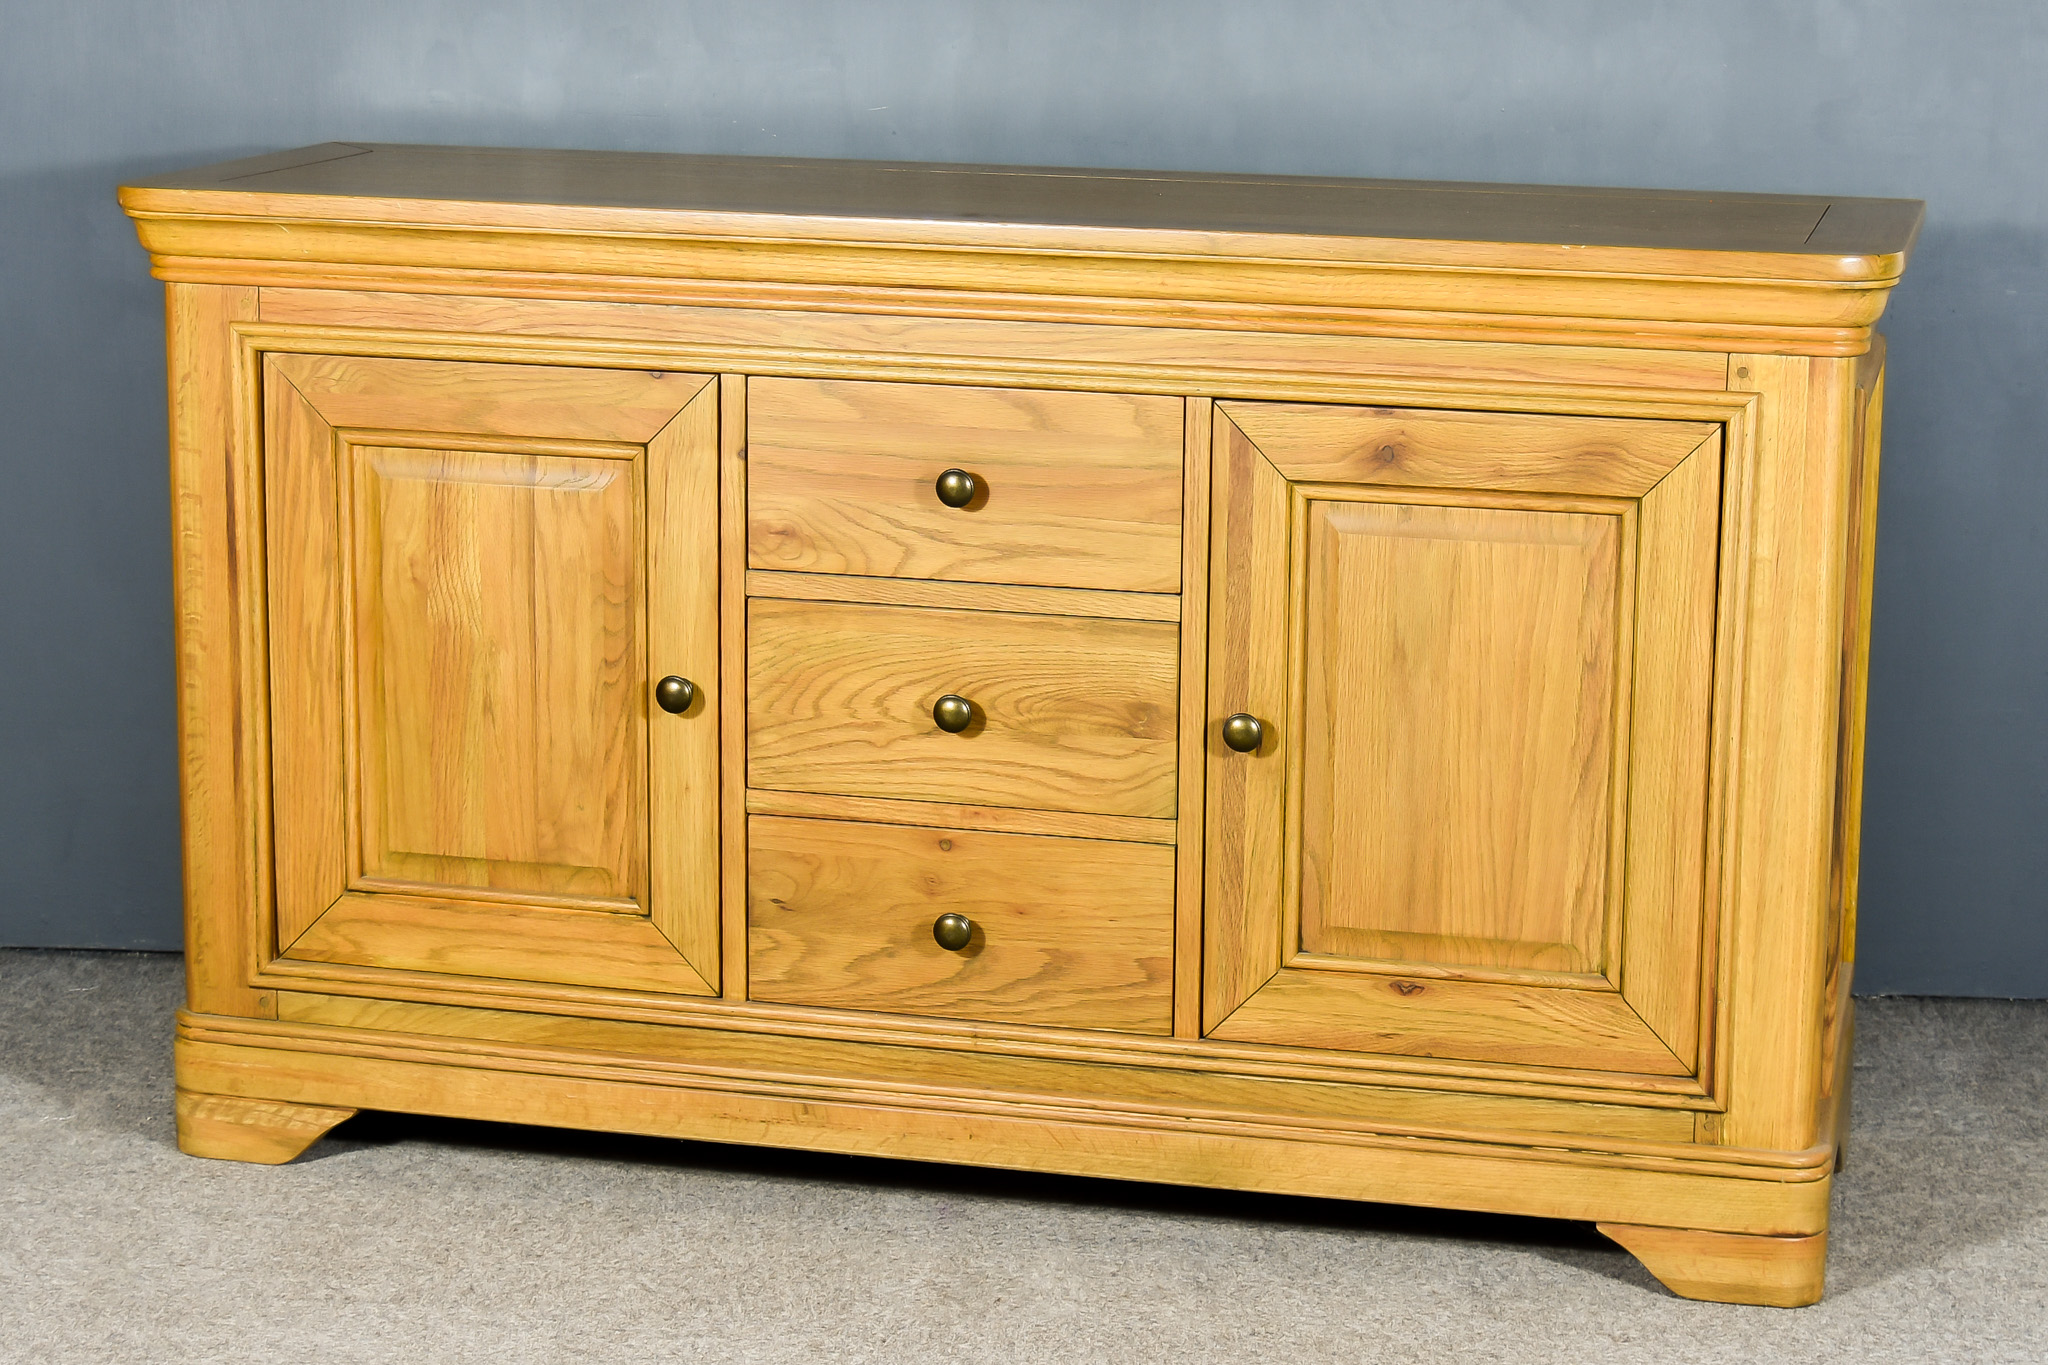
[
  {"x": 1461, "y": 682},
  {"x": 478, "y": 575}
]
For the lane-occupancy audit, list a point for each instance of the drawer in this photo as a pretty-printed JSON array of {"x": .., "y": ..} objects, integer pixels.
[
  {"x": 1069, "y": 713},
  {"x": 1078, "y": 490},
  {"x": 1070, "y": 932}
]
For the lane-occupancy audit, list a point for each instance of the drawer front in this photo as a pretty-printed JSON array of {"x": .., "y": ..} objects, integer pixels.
[
  {"x": 1079, "y": 490},
  {"x": 1069, "y": 713},
  {"x": 1076, "y": 933}
]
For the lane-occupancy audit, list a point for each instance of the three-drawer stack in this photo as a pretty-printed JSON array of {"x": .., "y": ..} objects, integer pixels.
[{"x": 961, "y": 699}]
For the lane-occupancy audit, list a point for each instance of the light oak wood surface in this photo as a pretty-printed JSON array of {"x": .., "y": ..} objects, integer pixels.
[
  {"x": 500, "y": 723},
  {"x": 1206, "y": 1055},
  {"x": 683, "y": 610},
  {"x": 1782, "y": 810},
  {"x": 265, "y": 1132},
  {"x": 461, "y": 583},
  {"x": 218, "y": 631},
  {"x": 1396, "y": 448},
  {"x": 996, "y": 819},
  {"x": 1669, "y": 872},
  {"x": 520, "y": 939},
  {"x": 1862, "y": 568},
  {"x": 1192, "y": 759},
  {"x": 1431, "y": 850},
  {"x": 1457, "y": 734},
  {"x": 315, "y": 1065},
  {"x": 913, "y": 592},
  {"x": 1535, "y": 524},
  {"x": 308, "y": 773},
  {"x": 1076, "y": 490},
  {"x": 1070, "y": 713},
  {"x": 1246, "y": 795},
  {"x": 1649, "y": 268},
  {"x": 895, "y": 335},
  {"x": 732, "y": 672},
  {"x": 807, "y": 195},
  {"x": 1072, "y": 932},
  {"x": 559, "y": 402},
  {"x": 1732, "y": 1267},
  {"x": 963, "y": 1067}
]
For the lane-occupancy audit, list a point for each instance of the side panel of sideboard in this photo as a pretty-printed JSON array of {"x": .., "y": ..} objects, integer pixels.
[
  {"x": 216, "y": 575},
  {"x": 1781, "y": 821}
]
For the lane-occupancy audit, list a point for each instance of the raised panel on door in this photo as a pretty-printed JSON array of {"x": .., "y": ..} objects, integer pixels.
[
  {"x": 477, "y": 573},
  {"x": 1481, "y": 649},
  {"x": 1456, "y": 733},
  {"x": 499, "y": 657}
]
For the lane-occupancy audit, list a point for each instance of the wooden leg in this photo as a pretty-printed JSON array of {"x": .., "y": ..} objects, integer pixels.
[
  {"x": 269, "y": 1132},
  {"x": 1729, "y": 1267}
]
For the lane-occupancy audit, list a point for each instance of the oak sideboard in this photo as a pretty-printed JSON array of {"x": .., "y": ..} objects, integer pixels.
[{"x": 1335, "y": 687}]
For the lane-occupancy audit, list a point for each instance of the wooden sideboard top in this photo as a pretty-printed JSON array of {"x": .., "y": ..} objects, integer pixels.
[
  {"x": 1868, "y": 231},
  {"x": 1651, "y": 267}
]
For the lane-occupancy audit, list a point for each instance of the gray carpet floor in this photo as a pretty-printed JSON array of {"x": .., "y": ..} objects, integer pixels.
[{"x": 425, "y": 1241}]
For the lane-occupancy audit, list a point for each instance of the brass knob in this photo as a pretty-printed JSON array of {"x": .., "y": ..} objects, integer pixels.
[
  {"x": 674, "y": 695},
  {"x": 952, "y": 931},
  {"x": 957, "y": 487},
  {"x": 1244, "y": 733},
  {"x": 952, "y": 714}
]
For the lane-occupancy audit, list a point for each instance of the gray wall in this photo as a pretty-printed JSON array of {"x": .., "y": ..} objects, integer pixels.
[{"x": 1929, "y": 99}]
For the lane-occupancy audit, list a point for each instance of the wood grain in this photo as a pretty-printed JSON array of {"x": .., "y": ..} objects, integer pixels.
[
  {"x": 1207, "y": 1055},
  {"x": 1129, "y": 1085},
  {"x": 309, "y": 781},
  {"x": 913, "y": 592},
  {"x": 995, "y": 819},
  {"x": 1407, "y": 303},
  {"x": 1071, "y": 932},
  {"x": 475, "y": 938},
  {"x": 1862, "y": 569},
  {"x": 1785, "y": 783},
  {"x": 222, "y": 727},
  {"x": 525, "y": 401},
  {"x": 460, "y": 671},
  {"x": 1679, "y": 272},
  {"x": 1194, "y": 718},
  {"x": 307, "y": 1065},
  {"x": 1080, "y": 490},
  {"x": 499, "y": 654},
  {"x": 1248, "y": 656},
  {"x": 867, "y": 343},
  {"x": 1457, "y": 734},
  {"x": 1071, "y": 714},
  {"x": 1427, "y": 1016},
  {"x": 1730, "y": 1267},
  {"x": 915, "y": 201},
  {"x": 732, "y": 672},
  {"x": 1423, "y": 388},
  {"x": 682, "y": 612},
  {"x": 1662, "y": 953},
  {"x": 1395, "y": 626},
  {"x": 1388, "y": 447},
  {"x": 265, "y": 1132},
  {"x": 1839, "y": 944},
  {"x": 1281, "y": 356}
]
